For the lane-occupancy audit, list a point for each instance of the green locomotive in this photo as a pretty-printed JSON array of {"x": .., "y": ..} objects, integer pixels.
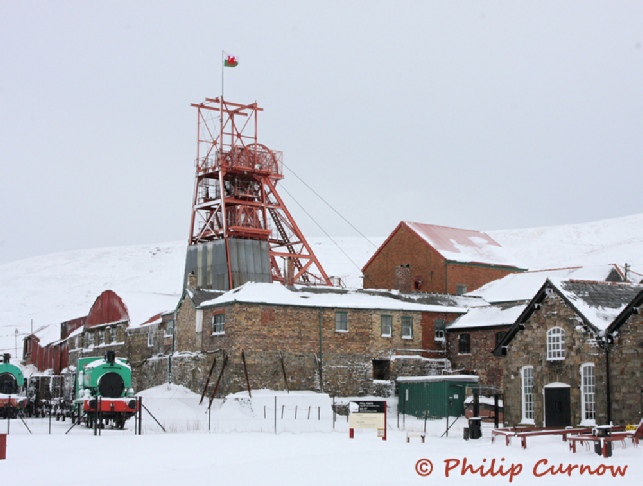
[
  {"x": 104, "y": 391},
  {"x": 12, "y": 389}
]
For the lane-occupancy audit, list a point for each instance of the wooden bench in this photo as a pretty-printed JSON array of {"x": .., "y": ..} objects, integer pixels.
[
  {"x": 524, "y": 432},
  {"x": 411, "y": 433},
  {"x": 618, "y": 435}
]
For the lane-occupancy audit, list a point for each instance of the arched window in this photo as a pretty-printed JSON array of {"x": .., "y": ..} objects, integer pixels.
[
  {"x": 555, "y": 344},
  {"x": 527, "y": 378},
  {"x": 588, "y": 394}
]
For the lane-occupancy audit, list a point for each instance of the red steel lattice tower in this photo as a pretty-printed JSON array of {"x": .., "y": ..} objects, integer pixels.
[{"x": 236, "y": 198}]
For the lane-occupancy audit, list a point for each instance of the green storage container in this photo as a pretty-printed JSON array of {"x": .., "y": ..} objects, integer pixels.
[{"x": 434, "y": 396}]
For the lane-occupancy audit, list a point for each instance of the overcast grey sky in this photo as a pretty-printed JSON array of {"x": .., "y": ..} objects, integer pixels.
[{"x": 480, "y": 115}]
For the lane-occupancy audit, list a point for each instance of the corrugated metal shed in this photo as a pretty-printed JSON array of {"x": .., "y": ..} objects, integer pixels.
[{"x": 249, "y": 262}]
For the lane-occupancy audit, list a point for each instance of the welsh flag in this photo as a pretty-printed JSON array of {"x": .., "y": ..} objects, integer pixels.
[{"x": 231, "y": 61}]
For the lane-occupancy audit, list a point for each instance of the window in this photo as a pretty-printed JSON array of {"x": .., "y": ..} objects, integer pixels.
[
  {"x": 527, "y": 377},
  {"x": 387, "y": 326},
  {"x": 341, "y": 321},
  {"x": 407, "y": 327},
  {"x": 588, "y": 393},
  {"x": 90, "y": 339},
  {"x": 381, "y": 369},
  {"x": 464, "y": 344},
  {"x": 460, "y": 289},
  {"x": 218, "y": 324},
  {"x": 439, "y": 325},
  {"x": 101, "y": 336},
  {"x": 150, "y": 339},
  {"x": 169, "y": 329},
  {"x": 555, "y": 344},
  {"x": 499, "y": 336}
]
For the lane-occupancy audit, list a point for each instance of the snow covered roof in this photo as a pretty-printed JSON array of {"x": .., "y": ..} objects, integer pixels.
[
  {"x": 438, "y": 378},
  {"x": 327, "y": 297},
  {"x": 523, "y": 286},
  {"x": 462, "y": 245},
  {"x": 489, "y": 316},
  {"x": 599, "y": 302}
]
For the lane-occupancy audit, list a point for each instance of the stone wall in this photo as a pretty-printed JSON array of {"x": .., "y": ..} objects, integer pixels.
[
  {"x": 301, "y": 343},
  {"x": 528, "y": 348},
  {"x": 626, "y": 372}
]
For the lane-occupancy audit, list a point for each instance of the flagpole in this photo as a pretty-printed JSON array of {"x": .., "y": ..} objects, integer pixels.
[{"x": 222, "y": 70}]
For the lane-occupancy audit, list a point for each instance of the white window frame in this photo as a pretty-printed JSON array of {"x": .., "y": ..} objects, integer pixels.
[
  {"x": 218, "y": 324},
  {"x": 341, "y": 321},
  {"x": 150, "y": 338},
  {"x": 169, "y": 328},
  {"x": 555, "y": 344},
  {"x": 527, "y": 394},
  {"x": 407, "y": 327},
  {"x": 90, "y": 339},
  {"x": 588, "y": 394},
  {"x": 439, "y": 334},
  {"x": 386, "y": 325}
]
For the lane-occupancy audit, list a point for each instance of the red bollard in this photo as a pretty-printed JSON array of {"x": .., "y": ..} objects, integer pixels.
[{"x": 3, "y": 446}]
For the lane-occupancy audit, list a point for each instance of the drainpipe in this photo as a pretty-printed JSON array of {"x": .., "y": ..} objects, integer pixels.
[{"x": 607, "y": 372}]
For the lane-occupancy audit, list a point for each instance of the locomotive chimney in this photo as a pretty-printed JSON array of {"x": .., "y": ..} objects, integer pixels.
[
  {"x": 110, "y": 357},
  {"x": 6, "y": 357}
]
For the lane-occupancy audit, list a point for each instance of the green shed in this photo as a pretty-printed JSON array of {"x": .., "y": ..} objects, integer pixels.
[{"x": 434, "y": 396}]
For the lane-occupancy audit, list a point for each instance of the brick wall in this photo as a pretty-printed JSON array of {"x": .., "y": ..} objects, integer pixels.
[
  {"x": 472, "y": 276},
  {"x": 426, "y": 266},
  {"x": 480, "y": 360},
  {"x": 406, "y": 248}
]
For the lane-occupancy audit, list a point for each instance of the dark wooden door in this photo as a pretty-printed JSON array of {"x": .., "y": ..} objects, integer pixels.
[{"x": 557, "y": 407}]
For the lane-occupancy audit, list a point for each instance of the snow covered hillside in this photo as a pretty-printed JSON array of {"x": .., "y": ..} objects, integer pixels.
[{"x": 46, "y": 290}]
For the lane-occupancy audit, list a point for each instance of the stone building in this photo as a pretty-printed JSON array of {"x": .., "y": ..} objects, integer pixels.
[
  {"x": 625, "y": 358},
  {"x": 557, "y": 359},
  {"x": 341, "y": 342},
  {"x": 472, "y": 338},
  {"x": 419, "y": 257}
]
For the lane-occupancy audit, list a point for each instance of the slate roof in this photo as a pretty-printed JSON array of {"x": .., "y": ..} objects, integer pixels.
[{"x": 598, "y": 304}]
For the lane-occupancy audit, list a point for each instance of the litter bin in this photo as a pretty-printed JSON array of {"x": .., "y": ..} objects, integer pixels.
[
  {"x": 475, "y": 427},
  {"x": 3, "y": 446},
  {"x": 603, "y": 431}
]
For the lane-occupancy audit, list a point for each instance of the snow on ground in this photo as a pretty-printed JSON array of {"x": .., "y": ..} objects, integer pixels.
[{"x": 195, "y": 453}]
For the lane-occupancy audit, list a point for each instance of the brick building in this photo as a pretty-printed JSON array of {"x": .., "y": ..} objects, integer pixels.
[
  {"x": 419, "y": 257},
  {"x": 573, "y": 356}
]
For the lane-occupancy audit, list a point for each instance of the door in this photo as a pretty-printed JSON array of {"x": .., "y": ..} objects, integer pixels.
[{"x": 557, "y": 407}]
